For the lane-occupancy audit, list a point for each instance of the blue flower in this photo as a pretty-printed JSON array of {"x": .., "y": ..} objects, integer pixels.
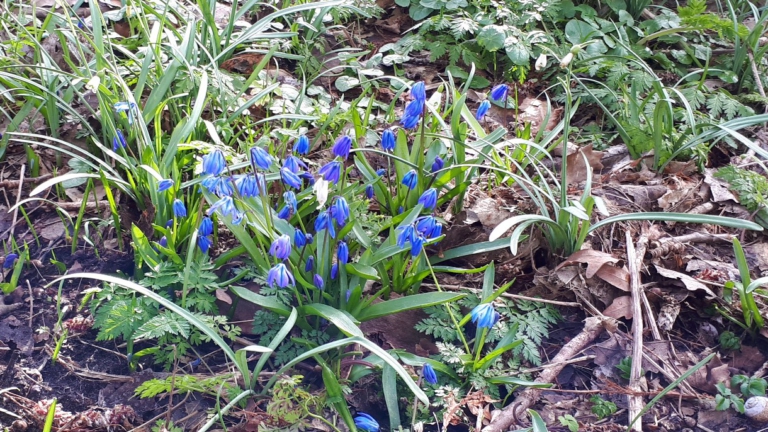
[
  {"x": 281, "y": 275},
  {"x": 425, "y": 225},
  {"x": 163, "y": 242},
  {"x": 331, "y": 171},
  {"x": 342, "y": 147},
  {"x": 214, "y": 163},
  {"x": 204, "y": 243},
  {"x": 290, "y": 199},
  {"x": 310, "y": 264},
  {"x": 381, "y": 172},
  {"x": 169, "y": 223},
  {"x": 318, "y": 281},
  {"x": 178, "y": 208},
  {"x": 437, "y": 231},
  {"x": 119, "y": 142},
  {"x": 10, "y": 259},
  {"x": 366, "y": 423},
  {"x": 348, "y": 294},
  {"x": 499, "y": 93},
  {"x": 410, "y": 179},
  {"x": 334, "y": 271},
  {"x": 310, "y": 238},
  {"x": 411, "y": 115},
  {"x": 482, "y": 110},
  {"x": 438, "y": 164},
  {"x": 225, "y": 206},
  {"x": 302, "y": 145},
  {"x": 342, "y": 253},
  {"x": 308, "y": 177},
  {"x": 220, "y": 186},
  {"x": 299, "y": 239},
  {"x": 428, "y": 372},
  {"x": 290, "y": 178},
  {"x": 428, "y": 199},
  {"x": 418, "y": 92},
  {"x": 260, "y": 158},
  {"x": 126, "y": 107},
  {"x": 340, "y": 211},
  {"x": 369, "y": 191},
  {"x": 237, "y": 217},
  {"x": 164, "y": 185},
  {"x": 484, "y": 315},
  {"x": 406, "y": 235},
  {"x": 294, "y": 164},
  {"x": 284, "y": 213},
  {"x": 206, "y": 227},
  {"x": 388, "y": 140},
  {"x": 247, "y": 185},
  {"x": 324, "y": 221},
  {"x": 417, "y": 242},
  {"x": 281, "y": 248}
]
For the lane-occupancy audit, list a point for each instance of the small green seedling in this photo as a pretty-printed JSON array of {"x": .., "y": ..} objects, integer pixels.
[{"x": 601, "y": 407}]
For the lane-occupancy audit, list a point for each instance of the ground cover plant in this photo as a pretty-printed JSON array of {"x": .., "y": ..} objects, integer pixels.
[{"x": 382, "y": 215}]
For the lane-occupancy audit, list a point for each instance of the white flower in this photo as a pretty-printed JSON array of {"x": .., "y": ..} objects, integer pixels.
[
  {"x": 566, "y": 60},
  {"x": 321, "y": 190},
  {"x": 541, "y": 62}
]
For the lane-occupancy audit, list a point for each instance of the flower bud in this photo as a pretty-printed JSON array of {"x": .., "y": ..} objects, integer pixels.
[
  {"x": 566, "y": 60},
  {"x": 541, "y": 62}
]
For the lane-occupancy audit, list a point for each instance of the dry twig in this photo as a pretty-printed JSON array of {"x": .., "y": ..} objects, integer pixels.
[{"x": 634, "y": 262}]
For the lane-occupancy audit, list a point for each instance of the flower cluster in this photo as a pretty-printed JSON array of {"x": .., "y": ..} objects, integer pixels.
[
  {"x": 417, "y": 233},
  {"x": 415, "y": 108}
]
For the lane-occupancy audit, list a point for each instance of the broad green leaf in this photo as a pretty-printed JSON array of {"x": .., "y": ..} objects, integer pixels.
[
  {"x": 338, "y": 318},
  {"x": 417, "y": 301},
  {"x": 260, "y": 300},
  {"x": 492, "y": 38},
  {"x": 679, "y": 217},
  {"x": 537, "y": 423},
  {"x": 364, "y": 271},
  {"x": 336, "y": 396},
  {"x": 578, "y": 32},
  {"x": 389, "y": 388}
]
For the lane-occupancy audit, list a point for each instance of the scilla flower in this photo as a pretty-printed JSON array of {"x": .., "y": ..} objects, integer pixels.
[
  {"x": 214, "y": 163},
  {"x": 318, "y": 281},
  {"x": 428, "y": 372},
  {"x": 324, "y": 221},
  {"x": 418, "y": 92},
  {"x": 281, "y": 248},
  {"x": 164, "y": 185},
  {"x": 334, "y": 271},
  {"x": 411, "y": 115},
  {"x": 302, "y": 145},
  {"x": 438, "y": 164},
  {"x": 206, "y": 227},
  {"x": 343, "y": 253},
  {"x": 366, "y": 423},
  {"x": 290, "y": 199},
  {"x": 388, "y": 140},
  {"x": 369, "y": 191},
  {"x": 126, "y": 107},
  {"x": 310, "y": 264},
  {"x": 10, "y": 259},
  {"x": 299, "y": 238},
  {"x": 499, "y": 93},
  {"x": 225, "y": 206},
  {"x": 340, "y": 211},
  {"x": 178, "y": 208},
  {"x": 410, "y": 179},
  {"x": 482, "y": 110},
  {"x": 294, "y": 164},
  {"x": 247, "y": 185},
  {"x": 342, "y": 147},
  {"x": 163, "y": 242},
  {"x": 381, "y": 172},
  {"x": 428, "y": 199},
  {"x": 260, "y": 158},
  {"x": 119, "y": 142},
  {"x": 280, "y": 275},
  {"x": 484, "y": 315},
  {"x": 290, "y": 178},
  {"x": 204, "y": 243},
  {"x": 331, "y": 171}
]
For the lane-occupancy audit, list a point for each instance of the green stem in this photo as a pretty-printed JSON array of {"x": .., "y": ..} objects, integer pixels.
[{"x": 450, "y": 312}]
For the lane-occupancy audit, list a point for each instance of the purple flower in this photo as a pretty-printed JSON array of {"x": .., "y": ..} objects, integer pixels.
[
  {"x": 342, "y": 147},
  {"x": 405, "y": 236},
  {"x": 127, "y": 107},
  {"x": 410, "y": 179},
  {"x": 290, "y": 178},
  {"x": 290, "y": 199},
  {"x": 214, "y": 163},
  {"x": 499, "y": 93},
  {"x": 369, "y": 191},
  {"x": 428, "y": 372},
  {"x": 324, "y": 221},
  {"x": 163, "y": 242},
  {"x": 331, "y": 171},
  {"x": 178, "y": 208},
  {"x": 260, "y": 158},
  {"x": 164, "y": 185},
  {"x": 482, "y": 110},
  {"x": 281, "y": 248},
  {"x": 411, "y": 114},
  {"x": 310, "y": 264},
  {"x": 318, "y": 281},
  {"x": 280, "y": 275},
  {"x": 388, "y": 140},
  {"x": 425, "y": 225},
  {"x": 342, "y": 253},
  {"x": 417, "y": 242},
  {"x": 310, "y": 238},
  {"x": 428, "y": 199},
  {"x": 381, "y": 172},
  {"x": 363, "y": 421},
  {"x": 220, "y": 186},
  {"x": 308, "y": 177},
  {"x": 284, "y": 213},
  {"x": 302, "y": 145},
  {"x": 10, "y": 259},
  {"x": 334, "y": 271},
  {"x": 438, "y": 164}
]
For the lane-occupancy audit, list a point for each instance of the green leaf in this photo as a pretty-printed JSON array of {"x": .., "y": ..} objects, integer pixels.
[
  {"x": 519, "y": 53},
  {"x": 364, "y": 271},
  {"x": 344, "y": 83},
  {"x": 336, "y": 396},
  {"x": 537, "y": 422},
  {"x": 578, "y": 32},
  {"x": 679, "y": 217},
  {"x": 417, "y": 301},
  {"x": 492, "y": 38},
  {"x": 340, "y": 319},
  {"x": 260, "y": 300},
  {"x": 389, "y": 387}
]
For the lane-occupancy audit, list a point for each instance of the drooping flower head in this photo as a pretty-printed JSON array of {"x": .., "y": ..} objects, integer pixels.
[
  {"x": 485, "y": 316},
  {"x": 204, "y": 243},
  {"x": 118, "y": 141},
  {"x": 417, "y": 243},
  {"x": 260, "y": 158},
  {"x": 299, "y": 239},
  {"x": 410, "y": 179},
  {"x": 388, "y": 140},
  {"x": 419, "y": 93},
  {"x": 163, "y": 241},
  {"x": 342, "y": 147},
  {"x": 281, "y": 247},
  {"x": 164, "y": 184},
  {"x": 366, "y": 423},
  {"x": 310, "y": 264},
  {"x": 10, "y": 259},
  {"x": 340, "y": 211},
  {"x": 179, "y": 210},
  {"x": 369, "y": 191},
  {"x": 334, "y": 270},
  {"x": 281, "y": 276},
  {"x": 290, "y": 178},
  {"x": 499, "y": 93},
  {"x": 324, "y": 221},
  {"x": 406, "y": 235},
  {"x": 290, "y": 199},
  {"x": 294, "y": 164},
  {"x": 438, "y": 164},
  {"x": 206, "y": 227},
  {"x": 331, "y": 171},
  {"x": 126, "y": 107},
  {"x": 411, "y": 114},
  {"x": 302, "y": 145},
  {"x": 482, "y": 110},
  {"x": 214, "y": 163},
  {"x": 285, "y": 213},
  {"x": 381, "y": 172},
  {"x": 247, "y": 185},
  {"x": 342, "y": 253},
  {"x": 428, "y": 199},
  {"x": 224, "y": 206},
  {"x": 428, "y": 372},
  {"x": 318, "y": 281},
  {"x": 219, "y": 186}
]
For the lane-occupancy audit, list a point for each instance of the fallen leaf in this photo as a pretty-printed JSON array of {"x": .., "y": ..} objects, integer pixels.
[
  {"x": 223, "y": 296},
  {"x": 620, "y": 308},
  {"x": 616, "y": 276},
  {"x": 594, "y": 260},
  {"x": 690, "y": 283},
  {"x": 748, "y": 358},
  {"x": 576, "y": 170}
]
